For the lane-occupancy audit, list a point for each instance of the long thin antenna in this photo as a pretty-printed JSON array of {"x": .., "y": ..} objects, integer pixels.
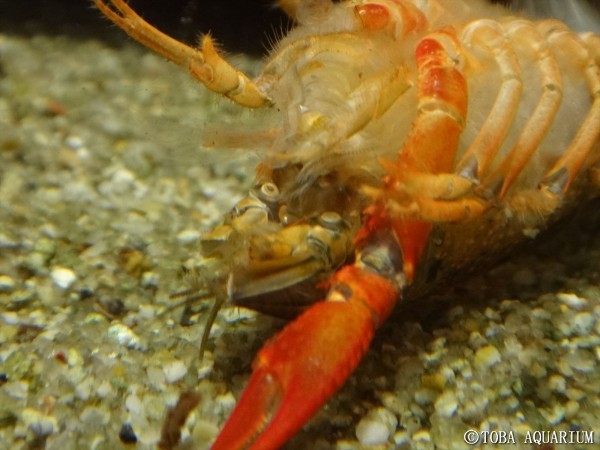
[{"x": 219, "y": 300}]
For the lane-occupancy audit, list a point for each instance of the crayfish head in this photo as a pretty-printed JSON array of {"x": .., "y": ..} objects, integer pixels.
[
  {"x": 274, "y": 249},
  {"x": 267, "y": 257}
]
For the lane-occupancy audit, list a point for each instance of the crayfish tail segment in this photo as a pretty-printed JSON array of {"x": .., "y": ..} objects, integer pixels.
[
  {"x": 298, "y": 370},
  {"x": 206, "y": 65}
]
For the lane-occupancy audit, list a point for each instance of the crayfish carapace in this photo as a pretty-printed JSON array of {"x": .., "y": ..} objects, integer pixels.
[{"x": 399, "y": 120}]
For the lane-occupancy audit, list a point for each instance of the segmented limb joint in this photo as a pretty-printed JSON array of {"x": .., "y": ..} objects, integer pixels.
[{"x": 206, "y": 65}]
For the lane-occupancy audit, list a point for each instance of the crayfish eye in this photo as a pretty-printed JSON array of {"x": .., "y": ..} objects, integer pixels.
[
  {"x": 269, "y": 192},
  {"x": 330, "y": 220}
]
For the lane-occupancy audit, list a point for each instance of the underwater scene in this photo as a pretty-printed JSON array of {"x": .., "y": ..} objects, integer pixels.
[{"x": 114, "y": 163}]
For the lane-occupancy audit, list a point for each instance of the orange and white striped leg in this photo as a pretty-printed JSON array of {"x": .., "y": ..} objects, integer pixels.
[
  {"x": 559, "y": 178},
  {"x": 489, "y": 36},
  {"x": 206, "y": 65},
  {"x": 535, "y": 206},
  {"x": 431, "y": 145},
  {"x": 431, "y": 191},
  {"x": 499, "y": 182}
]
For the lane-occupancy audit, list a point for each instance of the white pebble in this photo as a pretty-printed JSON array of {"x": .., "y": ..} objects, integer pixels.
[
  {"x": 74, "y": 358},
  {"x": 580, "y": 361},
  {"x": 11, "y": 318},
  {"x": 74, "y": 141},
  {"x": 150, "y": 279},
  {"x": 174, "y": 371},
  {"x": 63, "y": 277},
  {"x": 18, "y": 389},
  {"x": 133, "y": 404},
  {"x": 369, "y": 432},
  {"x": 40, "y": 424},
  {"x": 446, "y": 404},
  {"x": 224, "y": 403},
  {"x": 571, "y": 300},
  {"x": 123, "y": 335},
  {"x": 84, "y": 389},
  {"x": 7, "y": 284},
  {"x": 188, "y": 236},
  {"x": 376, "y": 427},
  {"x": 147, "y": 312},
  {"x": 104, "y": 389},
  {"x": 149, "y": 436},
  {"x": 205, "y": 368},
  {"x": 582, "y": 323}
]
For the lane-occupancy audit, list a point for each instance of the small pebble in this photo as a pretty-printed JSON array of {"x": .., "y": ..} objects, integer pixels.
[
  {"x": 123, "y": 335},
  {"x": 40, "y": 424},
  {"x": 7, "y": 284},
  {"x": 376, "y": 427},
  {"x": 104, "y": 389},
  {"x": 63, "y": 277},
  {"x": 147, "y": 312},
  {"x": 369, "y": 432},
  {"x": 401, "y": 437},
  {"x": 127, "y": 435},
  {"x": 133, "y": 404},
  {"x": 95, "y": 416},
  {"x": 17, "y": 389},
  {"x": 446, "y": 404},
  {"x": 425, "y": 396},
  {"x": 422, "y": 436},
  {"x": 174, "y": 371},
  {"x": 571, "y": 408},
  {"x": 580, "y": 361},
  {"x": 557, "y": 383},
  {"x": 486, "y": 356},
  {"x": 150, "y": 279},
  {"x": 74, "y": 142},
  {"x": 188, "y": 236},
  {"x": 554, "y": 415},
  {"x": 582, "y": 323},
  {"x": 224, "y": 403},
  {"x": 571, "y": 300}
]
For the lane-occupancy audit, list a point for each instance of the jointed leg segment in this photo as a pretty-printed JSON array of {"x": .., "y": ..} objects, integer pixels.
[
  {"x": 206, "y": 65},
  {"x": 422, "y": 193}
]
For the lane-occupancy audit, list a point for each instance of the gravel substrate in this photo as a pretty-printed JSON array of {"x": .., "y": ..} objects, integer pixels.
[{"x": 104, "y": 190}]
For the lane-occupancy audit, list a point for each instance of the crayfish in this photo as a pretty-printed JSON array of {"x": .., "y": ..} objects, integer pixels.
[{"x": 411, "y": 136}]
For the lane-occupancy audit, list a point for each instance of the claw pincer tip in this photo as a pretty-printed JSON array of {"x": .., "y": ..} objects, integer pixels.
[{"x": 307, "y": 362}]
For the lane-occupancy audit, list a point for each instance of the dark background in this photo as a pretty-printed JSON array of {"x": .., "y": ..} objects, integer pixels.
[{"x": 238, "y": 25}]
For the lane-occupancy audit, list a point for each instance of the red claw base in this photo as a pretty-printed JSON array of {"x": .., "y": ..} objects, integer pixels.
[{"x": 299, "y": 369}]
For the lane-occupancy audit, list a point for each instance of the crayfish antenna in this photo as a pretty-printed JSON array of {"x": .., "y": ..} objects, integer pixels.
[
  {"x": 190, "y": 297},
  {"x": 219, "y": 301}
]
